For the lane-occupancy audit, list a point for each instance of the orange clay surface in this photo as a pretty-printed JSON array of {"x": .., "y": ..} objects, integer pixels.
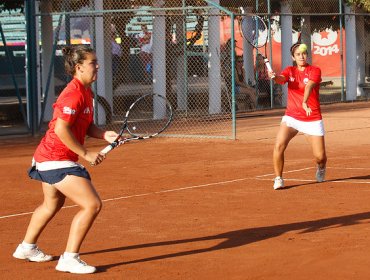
[{"x": 206, "y": 209}]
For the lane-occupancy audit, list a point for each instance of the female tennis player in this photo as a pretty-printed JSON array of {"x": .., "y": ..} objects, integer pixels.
[
  {"x": 303, "y": 113},
  {"x": 55, "y": 164}
]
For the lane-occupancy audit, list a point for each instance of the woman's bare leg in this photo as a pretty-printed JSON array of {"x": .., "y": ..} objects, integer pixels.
[
  {"x": 285, "y": 134},
  {"x": 53, "y": 202},
  {"x": 318, "y": 149},
  {"x": 82, "y": 192}
]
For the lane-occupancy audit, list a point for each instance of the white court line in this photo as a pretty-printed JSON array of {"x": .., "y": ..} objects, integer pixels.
[
  {"x": 259, "y": 177},
  {"x": 350, "y": 168},
  {"x": 307, "y": 168},
  {"x": 329, "y": 181},
  {"x": 290, "y": 171},
  {"x": 350, "y": 181},
  {"x": 145, "y": 194}
]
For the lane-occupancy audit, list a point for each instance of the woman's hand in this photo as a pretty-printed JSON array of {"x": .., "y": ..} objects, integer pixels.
[
  {"x": 307, "y": 109},
  {"x": 271, "y": 74},
  {"x": 110, "y": 136},
  {"x": 94, "y": 158}
]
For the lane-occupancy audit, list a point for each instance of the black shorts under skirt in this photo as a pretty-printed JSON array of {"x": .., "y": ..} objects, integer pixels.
[{"x": 56, "y": 175}]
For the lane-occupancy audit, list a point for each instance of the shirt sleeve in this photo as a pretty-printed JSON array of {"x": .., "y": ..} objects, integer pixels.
[
  {"x": 315, "y": 75},
  {"x": 286, "y": 73},
  {"x": 68, "y": 106}
]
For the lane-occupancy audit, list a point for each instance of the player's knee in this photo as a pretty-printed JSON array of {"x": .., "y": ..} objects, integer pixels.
[
  {"x": 98, "y": 206},
  {"x": 94, "y": 207},
  {"x": 279, "y": 147},
  {"x": 321, "y": 158}
]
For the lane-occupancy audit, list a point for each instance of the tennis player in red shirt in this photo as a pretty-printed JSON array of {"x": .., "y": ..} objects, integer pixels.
[
  {"x": 55, "y": 164},
  {"x": 302, "y": 113}
]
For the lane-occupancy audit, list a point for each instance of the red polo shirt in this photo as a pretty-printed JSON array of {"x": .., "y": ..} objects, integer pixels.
[
  {"x": 75, "y": 106},
  {"x": 297, "y": 81}
]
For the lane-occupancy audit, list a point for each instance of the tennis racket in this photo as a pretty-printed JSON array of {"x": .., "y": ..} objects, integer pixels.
[
  {"x": 147, "y": 117},
  {"x": 255, "y": 32}
]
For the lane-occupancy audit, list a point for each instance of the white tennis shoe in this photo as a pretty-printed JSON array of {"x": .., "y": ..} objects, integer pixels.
[
  {"x": 74, "y": 265},
  {"x": 320, "y": 174},
  {"x": 33, "y": 254},
  {"x": 278, "y": 183}
]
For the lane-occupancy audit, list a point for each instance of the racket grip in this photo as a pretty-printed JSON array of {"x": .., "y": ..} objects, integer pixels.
[
  {"x": 107, "y": 149},
  {"x": 268, "y": 66}
]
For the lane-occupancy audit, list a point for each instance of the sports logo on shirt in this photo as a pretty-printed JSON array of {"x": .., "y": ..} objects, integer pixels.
[
  {"x": 68, "y": 111},
  {"x": 291, "y": 79},
  {"x": 87, "y": 110},
  {"x": 305, "y": 81}
]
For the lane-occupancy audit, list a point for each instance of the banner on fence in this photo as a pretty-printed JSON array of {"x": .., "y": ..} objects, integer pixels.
[{"x": 325, "y": 46}]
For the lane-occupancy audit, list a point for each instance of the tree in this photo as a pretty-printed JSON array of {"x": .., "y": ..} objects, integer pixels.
[{"x": 365, "y": 4}]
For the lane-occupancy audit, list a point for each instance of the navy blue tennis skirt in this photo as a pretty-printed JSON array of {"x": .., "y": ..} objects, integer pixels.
[{"x": 56, "y": 175}]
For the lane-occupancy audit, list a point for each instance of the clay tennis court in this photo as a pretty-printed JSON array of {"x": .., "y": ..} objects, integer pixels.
[{"x": 206, "y": 209}]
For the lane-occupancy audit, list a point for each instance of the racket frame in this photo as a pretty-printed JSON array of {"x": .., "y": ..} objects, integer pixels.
[
  {"x": 240, "y": 21},
  {"x": 117, "y": 142}
]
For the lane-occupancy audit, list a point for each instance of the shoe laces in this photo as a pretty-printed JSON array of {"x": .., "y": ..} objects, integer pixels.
[
  {"x": 36, "y": 251},
  {"x": 81, "y": 261}
]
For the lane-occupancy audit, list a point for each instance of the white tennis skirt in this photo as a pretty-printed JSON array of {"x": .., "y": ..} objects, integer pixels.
[{"x": 315, "y": 128}]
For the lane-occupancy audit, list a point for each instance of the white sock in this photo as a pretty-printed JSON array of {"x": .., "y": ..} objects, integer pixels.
[
  {"x": 68, "y": 255},
  {"x": 26, "y": 245}
]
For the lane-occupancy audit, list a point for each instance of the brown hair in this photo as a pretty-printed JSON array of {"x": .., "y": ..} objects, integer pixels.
[
  {"x": 74, "y": 55},
  {"x": 294, "y": 46}
]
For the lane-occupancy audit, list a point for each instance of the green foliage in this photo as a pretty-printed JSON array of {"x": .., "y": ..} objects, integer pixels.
[{"x": 364, "y": 4}]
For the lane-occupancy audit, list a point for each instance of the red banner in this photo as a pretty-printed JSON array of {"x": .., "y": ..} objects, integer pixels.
[{"x": 325, "y": 48}]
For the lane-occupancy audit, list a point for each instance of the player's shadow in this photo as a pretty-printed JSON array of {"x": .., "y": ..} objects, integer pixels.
[
  {"x": 237, "y": 238},
  {"x": 287, "y": 187},
  {"x": 364, "y": 177}
]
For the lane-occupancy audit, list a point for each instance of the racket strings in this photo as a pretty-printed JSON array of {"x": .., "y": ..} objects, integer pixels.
[
  {"x": 254, "y": 30},
  {"x": 148, "y": 116}
]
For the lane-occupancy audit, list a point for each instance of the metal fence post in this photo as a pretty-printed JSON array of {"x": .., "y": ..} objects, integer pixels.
[{"x": 31, "y": 67}]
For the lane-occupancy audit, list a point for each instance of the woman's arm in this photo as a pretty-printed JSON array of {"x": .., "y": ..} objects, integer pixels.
[
  {"x": 63, "y": 131},
  {"x": 280, "y": 79},
  {"x": 96, "y": 132},
  {"x": 307, "y": 91}
]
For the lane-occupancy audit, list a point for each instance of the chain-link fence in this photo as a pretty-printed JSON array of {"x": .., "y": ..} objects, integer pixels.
[
  {"x": 192, "y": 52},
  {"x": 13, "y": 117},
  {"x": 145, "y": 49}
]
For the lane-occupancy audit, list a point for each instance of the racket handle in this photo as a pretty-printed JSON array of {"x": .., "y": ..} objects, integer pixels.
[
  {"x": 108, "y": 148},
  {"x": 111, "y": 146},
  {"x": 268, "y": 65}
]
